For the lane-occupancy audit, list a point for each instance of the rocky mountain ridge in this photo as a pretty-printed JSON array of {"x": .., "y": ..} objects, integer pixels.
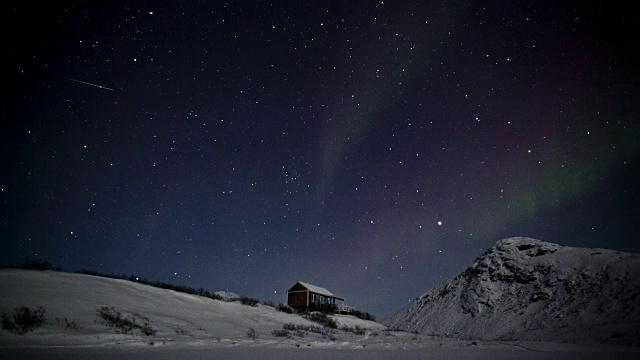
[{"x": 527, "y": 289}]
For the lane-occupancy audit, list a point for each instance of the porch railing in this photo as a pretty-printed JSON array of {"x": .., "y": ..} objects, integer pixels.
[{"x": 342, "y": 308}]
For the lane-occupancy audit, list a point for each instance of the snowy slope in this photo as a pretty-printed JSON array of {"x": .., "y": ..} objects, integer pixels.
[
  {"x": 194, "y": 327},
  {"x": 177, "y": 317},
  {"x": 524, "y": 288}
]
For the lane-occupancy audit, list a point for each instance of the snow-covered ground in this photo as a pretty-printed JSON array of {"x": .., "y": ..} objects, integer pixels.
[{"x": 196, "y": 327}]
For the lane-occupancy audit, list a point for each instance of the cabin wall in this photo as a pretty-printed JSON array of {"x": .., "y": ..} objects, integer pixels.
[
  {"x": 297, "y": 299},
  {"x": 321, "y": 302}
]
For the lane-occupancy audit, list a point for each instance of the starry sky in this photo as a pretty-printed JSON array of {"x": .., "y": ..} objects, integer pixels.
[{"x": 372, "y": 148}]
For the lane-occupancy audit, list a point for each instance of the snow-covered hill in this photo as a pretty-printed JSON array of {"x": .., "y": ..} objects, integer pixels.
[
  {"x": 524, "y": 288},
  {"x": 71, "y": 302}
]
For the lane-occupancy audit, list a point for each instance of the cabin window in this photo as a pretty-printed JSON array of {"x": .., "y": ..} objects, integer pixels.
[{"x": 328, "y": 300}]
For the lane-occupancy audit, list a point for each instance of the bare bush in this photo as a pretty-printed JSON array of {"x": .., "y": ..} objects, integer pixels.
[
  {"x": 124, "y": 324},
  {"x": 252, "y": 334},
  {"x": 249, "y": 301},
  {"x": 322, "y": 319},
  {"x": 24, "y": 319},
  {"x": 281, "y": 333},
  {"x": 285, "y": 308}
]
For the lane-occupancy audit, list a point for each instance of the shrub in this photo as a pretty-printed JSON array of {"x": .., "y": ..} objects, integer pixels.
[
  {"x": 23, "y": 320},
  {"x": 284, "y": 308},
  {"x": 34, "y": 264},
  {"x": 158, "y": 284},
  {"x": 249, "y": 301},
  {"x": 299, "y": 327},
  {"x": 363, "y": 315},
  {"x": 358, "y": 330},
  {"x": 69, "y": 325},
  {"x": 181, "y": 331},
  {"x": 214, "y": 296},
  {"x": 123, "y": 324},
  {"x": 252, "y": 334},
  {"x": 316, "y": 329},
  {"x": 322, "y": 319},
  {"x": 281, "y": 333},
  {"x": 290, "y": 326},
  {"x": 302, "y": 330}
]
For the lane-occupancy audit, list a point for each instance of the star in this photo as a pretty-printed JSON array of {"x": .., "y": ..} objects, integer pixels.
[{"x": 249, "y": 135}]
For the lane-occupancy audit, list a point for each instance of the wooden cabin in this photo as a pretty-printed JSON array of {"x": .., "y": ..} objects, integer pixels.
[{"x": 307, "y": 296}]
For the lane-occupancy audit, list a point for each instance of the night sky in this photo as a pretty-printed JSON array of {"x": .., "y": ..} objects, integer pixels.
[{"x": 372, "y": 148}]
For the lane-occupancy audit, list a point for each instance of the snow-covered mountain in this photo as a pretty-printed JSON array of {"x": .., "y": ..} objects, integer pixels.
[{"x": 522, "y": 288}]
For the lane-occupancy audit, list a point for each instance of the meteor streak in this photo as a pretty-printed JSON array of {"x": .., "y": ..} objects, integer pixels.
[{"x": 88, "y": 83}]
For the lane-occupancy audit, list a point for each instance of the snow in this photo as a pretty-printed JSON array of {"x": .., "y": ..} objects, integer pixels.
[
  {"x": 76, "y": 298},
  {"x": 352, "y": 322},
  {"x": 442, "y": 350},
  {"x": 527, "y": 289},
  {"x": 200, "y": 328},
  {"x": 316, "y": 289}
]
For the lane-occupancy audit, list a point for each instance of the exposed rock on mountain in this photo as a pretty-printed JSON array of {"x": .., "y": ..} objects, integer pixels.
[{"x": 523, "y": 288}]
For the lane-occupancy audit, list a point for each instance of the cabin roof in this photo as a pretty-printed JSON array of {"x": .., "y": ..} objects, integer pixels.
[{"x": 316, "y": 289}]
